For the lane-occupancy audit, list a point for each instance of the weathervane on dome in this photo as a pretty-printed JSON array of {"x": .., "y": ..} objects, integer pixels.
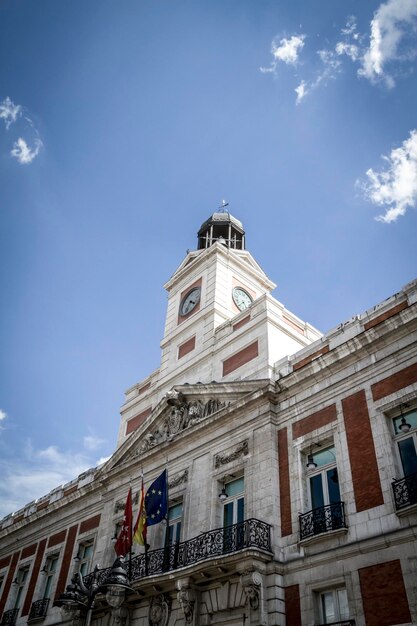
[{"x": 223, "y": 205}]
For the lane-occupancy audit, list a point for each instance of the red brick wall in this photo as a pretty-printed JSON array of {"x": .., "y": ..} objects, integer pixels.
[
  {"x": 7, "y": 584},
  {"x": 144, "y": 388},
  {"x": 240, "y": 358},
  {"x": 384, "y": 316},
  {"x": 395, "y": 382},
  {"x": 284, "y": 483},
  {"x": 365, "y": 475},
  {"x": 28, "y": 551},
  {"x": 5, "y": 561},
  {"x": 66, "y": 561},
  {"x": 34, "y": 576},
  {"x": 292, "y": 605},
  {"x": 310, "y": 357},
  {"x": 70, "y": 490},
  {"x": 57, "y": 538},
  {"x": 89, "y": 524},
  {"x": 135, "y": 422},
  {"x": 186, "y": 347},
  {"x": 313, "y": 421},
  {"x": 241, "y": 322},
  {"x": 384, "y": 596}
]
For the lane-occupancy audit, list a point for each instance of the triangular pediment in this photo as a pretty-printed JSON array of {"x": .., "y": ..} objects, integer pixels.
[{"x": 182, "y": 409}]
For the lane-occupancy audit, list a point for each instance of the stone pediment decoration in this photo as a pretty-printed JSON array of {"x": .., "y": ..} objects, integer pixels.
[
  {"x": 119, "y": 505},
  {"x": 159, "y": 610},
  {"x": 231, "y": 455},
  {"x": 182, "y": 415},
  {"x": 178, "y": 479},
  {"x": 253, "y": 587}
]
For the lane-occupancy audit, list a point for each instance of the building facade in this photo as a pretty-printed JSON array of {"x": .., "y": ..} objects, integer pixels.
[{"x": 291, "y": 459}]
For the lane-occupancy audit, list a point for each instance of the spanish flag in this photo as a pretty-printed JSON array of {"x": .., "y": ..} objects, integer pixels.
[{"x": 139, "y": 530}]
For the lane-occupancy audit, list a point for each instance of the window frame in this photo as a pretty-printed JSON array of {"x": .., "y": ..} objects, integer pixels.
[
  {"x": 319, "y": 608},
  {"x": 84, "y": 560},
  {"x": 399, "y": 436}
]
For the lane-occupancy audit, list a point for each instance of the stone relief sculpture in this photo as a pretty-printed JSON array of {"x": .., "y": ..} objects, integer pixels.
[
  {"x": 182, "y": 415},
  {"x": 226, "y": 457},
  {"x": 178, "y": 479},
  {"x": 159, "y": 610},
  {"x": 187, "y": 598}
]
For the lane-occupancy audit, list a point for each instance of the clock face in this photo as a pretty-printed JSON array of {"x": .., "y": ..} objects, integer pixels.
[
  {"x": 241, "y": 298},
  {"x": 190, "y": 301}
]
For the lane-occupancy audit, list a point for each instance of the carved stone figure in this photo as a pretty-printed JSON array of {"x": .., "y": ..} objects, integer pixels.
[
  {"x": 186, "y": 598},
  {"x": 241, "y": 450}
]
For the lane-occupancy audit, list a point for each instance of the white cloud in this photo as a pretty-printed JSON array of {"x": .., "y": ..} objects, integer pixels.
[
  {"x": 102, "y": 460},
  {"x": 9, "y": 112},
  {"x": 389, "y": 27},
  {"x": 287, "y": 51},
  {"x": 23, "y": 153},
  {"x": 93, "y": 443},
  {"x": 349, "y": 49},
  {"x": 301, "y": 91},
  {"x": 3, "y": 415},
  {"x": 395, "y": 188}
]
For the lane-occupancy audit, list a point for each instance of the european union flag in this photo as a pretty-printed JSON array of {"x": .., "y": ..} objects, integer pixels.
[{"x": 156, "y": 500}]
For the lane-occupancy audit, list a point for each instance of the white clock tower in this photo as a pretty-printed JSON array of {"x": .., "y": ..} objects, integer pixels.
[{"x": 222, "y": 323}]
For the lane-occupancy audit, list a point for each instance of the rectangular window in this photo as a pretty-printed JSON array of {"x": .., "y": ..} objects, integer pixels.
[
  {"x": 20, "y": 580},
  {"x": 333, "y": 606},
  {"x": 405, "y": 427},
  {"x": 233, "y": 513},
  {"x": 85, "y": 555},
  {"x": 174, "y": 523},
  {"x": 324, "y": 500},
  {"x": 49, "y": 571}
]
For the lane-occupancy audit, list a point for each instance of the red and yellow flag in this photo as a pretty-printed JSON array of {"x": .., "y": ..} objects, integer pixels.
[{"x": 140, "y": 528}]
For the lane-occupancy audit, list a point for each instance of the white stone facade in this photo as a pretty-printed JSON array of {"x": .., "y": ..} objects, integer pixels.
[{"x": 244, "y": 406}]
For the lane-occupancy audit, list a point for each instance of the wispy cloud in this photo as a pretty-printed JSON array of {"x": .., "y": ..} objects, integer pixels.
[
  {"x": 9, "y": 111},
  {"x": 37, "y": 471},
  {"x": 394, "y": 188},
  {"x": 285, "y": 51},
  {"x": 24, "y": 153},
  {"x": 391, "y": 24},
  {"x": 92, "y": 442},
  {"x": 376, "y": 53},
  {"x": 3, "y": 415}
]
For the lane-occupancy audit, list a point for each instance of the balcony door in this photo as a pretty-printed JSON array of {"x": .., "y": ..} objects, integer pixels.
[
  {"x": 234, "y": 515},
  {"x": 324, "y": 492}
]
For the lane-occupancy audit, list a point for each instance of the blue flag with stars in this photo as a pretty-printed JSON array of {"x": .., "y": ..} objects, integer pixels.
[{"x": 156, "y": 500}]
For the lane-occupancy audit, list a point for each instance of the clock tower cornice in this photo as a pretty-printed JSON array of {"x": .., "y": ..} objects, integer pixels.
[{"x": 242, "y": 259}]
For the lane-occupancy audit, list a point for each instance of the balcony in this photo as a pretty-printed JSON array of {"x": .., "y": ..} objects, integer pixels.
[
  {"x": 251, "y": 533},
  {"x": 322, "y": 520},
  {"x": 405, "y": 491},
  {"x": 38, "y": 610},
  {"x": 9, "y": 617}
]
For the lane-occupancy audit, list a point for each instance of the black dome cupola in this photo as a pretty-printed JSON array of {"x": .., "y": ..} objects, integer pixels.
[{"x": 224, "y": 228}]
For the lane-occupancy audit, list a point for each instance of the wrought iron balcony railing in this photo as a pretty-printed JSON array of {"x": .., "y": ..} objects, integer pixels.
[
  {"x": 9, "y": 617},
  {"x": 322, "y": 520},
  {"x": 405, "y": 491},
  {"x": 251, "y": 533},
  {"x": 38, "y": 610}
]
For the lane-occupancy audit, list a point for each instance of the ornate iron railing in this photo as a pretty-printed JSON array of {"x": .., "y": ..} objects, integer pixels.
[
  {"x": 405, "y": 491},
  {"x": 322, "y": 520},
  {"x": 38, "y": 610},
  {"x": 251, "y": 533},
  {"x": 344, "y": 622},
  {"x": 9, "y": 617}
]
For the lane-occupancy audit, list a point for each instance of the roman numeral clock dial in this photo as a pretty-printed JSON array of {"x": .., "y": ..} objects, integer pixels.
[
  {"x": 190, "y": 301},
  {"x": 241, "y": 298}
]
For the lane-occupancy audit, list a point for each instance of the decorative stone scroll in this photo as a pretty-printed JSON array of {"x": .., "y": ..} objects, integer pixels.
[
  {"x": 159, "y": 610},
  {"x": 182, "y": 415},
  {"x": 252, "y": 585},
  {"x": 226, "y": 457},
  {"x": 178, "y": 479}
]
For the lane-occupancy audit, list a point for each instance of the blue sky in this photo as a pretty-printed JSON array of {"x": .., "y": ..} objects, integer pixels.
[{"x": 123, "y": 125}]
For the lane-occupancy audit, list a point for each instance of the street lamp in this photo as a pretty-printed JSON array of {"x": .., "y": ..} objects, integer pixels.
[{"x": 79, "y": 597}]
